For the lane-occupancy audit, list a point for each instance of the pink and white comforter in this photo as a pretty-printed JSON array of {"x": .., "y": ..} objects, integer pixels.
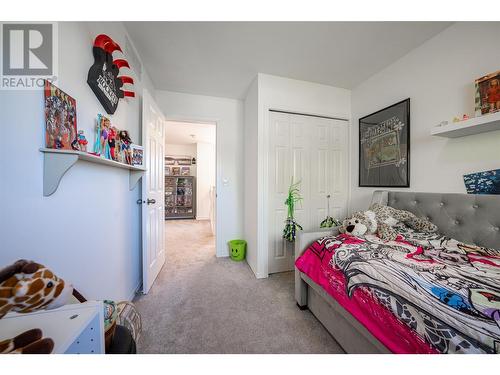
[{"x": 423, "y": 293}]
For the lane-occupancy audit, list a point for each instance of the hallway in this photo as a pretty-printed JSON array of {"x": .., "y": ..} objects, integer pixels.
[{"x": 204, "y": 304}]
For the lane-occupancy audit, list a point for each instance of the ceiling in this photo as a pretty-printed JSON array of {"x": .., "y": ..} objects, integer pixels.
[
  {"x": 222, "y": 58},
  {"x": 179, "y": 133}
]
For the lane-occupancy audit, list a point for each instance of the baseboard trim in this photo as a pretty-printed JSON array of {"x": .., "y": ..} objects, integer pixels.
[{"x": 135, "y": 291}]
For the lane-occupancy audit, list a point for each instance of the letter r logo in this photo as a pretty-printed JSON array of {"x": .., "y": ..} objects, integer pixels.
[{"x": 27, "y": 49}]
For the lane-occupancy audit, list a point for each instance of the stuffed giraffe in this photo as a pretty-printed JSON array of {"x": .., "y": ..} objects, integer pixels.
[
  {"x": 26, "y": 286},
  {"x": 28, "y": 342}
]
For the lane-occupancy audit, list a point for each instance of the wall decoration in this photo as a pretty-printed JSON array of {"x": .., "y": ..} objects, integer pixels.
[
  {"x": 488, "y": 94},
  {"x": 103, "y": 76},
  {"x": 137, "y": 154},
  {"x": 167, "y": 171},
  {"x": 178, "y": 160},
  {"x": 487, "y": 182},
  {"x": 169, "y": 160},
  {"x": 183, "y": 160},
  {"x": 176, "y": 171},
  {"x": 384, "y": 147},
  {"x": 60, "y": 119},
  {"x": 185, "y": 171}
]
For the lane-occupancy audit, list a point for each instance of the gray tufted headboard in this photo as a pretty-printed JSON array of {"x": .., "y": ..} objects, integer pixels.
[{"x": 473, "y": 219}]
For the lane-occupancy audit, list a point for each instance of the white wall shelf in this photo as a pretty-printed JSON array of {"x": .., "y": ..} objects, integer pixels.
[
  {"x": 57, "y": 162},
  {"x": 476, "y": 125},
  {"x": 75, "y": 328}
]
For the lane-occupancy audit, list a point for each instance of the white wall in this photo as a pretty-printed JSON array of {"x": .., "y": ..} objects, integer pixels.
[
  {"x": 228, "y": 114},
  {"x": 205, "y": 178},
  {"x": 251, "y": 172},
  {"x": 180, "y": 150},
  {"x": 88, "y": 231},
  {"x": 438, "y": 77},
  {"x": 289, "y": 95}
]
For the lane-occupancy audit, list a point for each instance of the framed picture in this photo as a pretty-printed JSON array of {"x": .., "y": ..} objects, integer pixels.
[
  {"x": 183, "y": 160},
  {"x": 169, "y": 160},
  {"x": 185, "y": 171},
  {"x": 176, "y": 171},
  {"x": 167, "y": 171},
  {"x": 60, "y": 119},
  {"x": 384, "y": 147},
  {"x": 487, "y": 182},
  {"x": 137, "y": 154},
  {"x": 488, "y": 94}
]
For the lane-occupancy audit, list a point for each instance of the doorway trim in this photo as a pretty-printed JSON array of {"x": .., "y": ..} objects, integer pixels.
[
  {"x": 219, "y": 245},
  {"x": 263, "y": 173}
]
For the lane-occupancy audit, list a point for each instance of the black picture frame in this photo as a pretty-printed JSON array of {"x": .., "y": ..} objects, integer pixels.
[{"x": 388, "y": 128}]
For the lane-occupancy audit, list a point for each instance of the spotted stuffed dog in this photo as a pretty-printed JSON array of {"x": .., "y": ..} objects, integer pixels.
[
  {"x": 381, "y": 219},
  {"x": 27, "y": 286}
]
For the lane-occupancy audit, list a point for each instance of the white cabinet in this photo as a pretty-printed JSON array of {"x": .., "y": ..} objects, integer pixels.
[{"x": 75, "y": 329}]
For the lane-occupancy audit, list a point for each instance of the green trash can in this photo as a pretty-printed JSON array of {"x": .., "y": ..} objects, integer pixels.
[{"x": 237, "y": 249}]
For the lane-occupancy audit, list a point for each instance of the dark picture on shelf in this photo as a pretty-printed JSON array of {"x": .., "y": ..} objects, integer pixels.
[
  {"x": 488, "y": 94},
  {"x": 384, "y": 147},
  {"x": 60, "y": 119},
  {"x": 487, "y": 182}
]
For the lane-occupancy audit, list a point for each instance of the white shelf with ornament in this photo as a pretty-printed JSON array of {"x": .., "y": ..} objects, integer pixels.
[
  {"x": 57, "y": 162},
  {"x": 476, "y": 125}
]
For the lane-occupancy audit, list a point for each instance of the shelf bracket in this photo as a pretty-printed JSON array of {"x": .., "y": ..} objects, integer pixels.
[
  {"x": 54, "y": 168},
  {"x": 134, "y": 178}
]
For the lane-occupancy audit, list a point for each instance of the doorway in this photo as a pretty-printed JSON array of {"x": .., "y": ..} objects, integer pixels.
[{"x": 190, "y": 183}]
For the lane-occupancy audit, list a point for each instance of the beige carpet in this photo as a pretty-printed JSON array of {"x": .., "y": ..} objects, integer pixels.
[{"x": 204, "y": 304}]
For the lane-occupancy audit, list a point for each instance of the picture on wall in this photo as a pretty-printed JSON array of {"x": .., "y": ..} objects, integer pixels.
[
  {"x": 176, "y": 171},
  {"x": 384, "y": 147},
  {"x": 60, "y": 119},
  {"x": 185, "y": 171},
  {"x": 137, "y": 154},
  {"x": 167, "y": 171},
  {"x": 488, "y": 94},
  {"x": 487, "y": 182}
]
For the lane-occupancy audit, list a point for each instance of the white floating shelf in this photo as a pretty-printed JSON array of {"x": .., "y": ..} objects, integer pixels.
[
  {"x": 476, "y": 125},
  {"x": 57, "y": 162}
]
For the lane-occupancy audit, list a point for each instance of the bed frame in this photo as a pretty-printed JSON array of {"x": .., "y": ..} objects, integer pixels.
[{"x": 473, "y": 219}]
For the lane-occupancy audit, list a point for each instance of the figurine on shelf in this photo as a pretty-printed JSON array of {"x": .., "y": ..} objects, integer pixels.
[
  {"x": 112, "y": 134},
  {"x": 105, "y": 130},
  {"x": 81, "y": 141},
  {"x": 465, "y": 117},
  {"x": 456, "y": 119},
  {"x": 125, "y": 142}
]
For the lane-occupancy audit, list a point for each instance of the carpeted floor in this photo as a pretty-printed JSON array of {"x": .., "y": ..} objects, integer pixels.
[{"x": 204, "y": 304}]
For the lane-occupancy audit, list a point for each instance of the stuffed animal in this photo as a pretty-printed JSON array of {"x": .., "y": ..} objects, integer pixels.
[
  {"x": 361, "y": 223},
  {"x": 381, "y": 219},
  {"x": 26, "y": 286},
  {"x": 29, "y": 342}
]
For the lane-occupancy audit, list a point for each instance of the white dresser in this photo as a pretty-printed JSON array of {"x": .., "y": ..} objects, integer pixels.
[{"x": 75, "y": 329}]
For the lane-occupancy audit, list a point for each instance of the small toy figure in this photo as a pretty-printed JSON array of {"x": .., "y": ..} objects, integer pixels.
[
  {"x": 81, "y": 141},
  {"x": 456, "y": 119},
  {"x": 465, "y": 117},
  {"x": 112, "y": 142},
  {"x": 493, "y": 95},
  {"x": 125, "y": 142}
]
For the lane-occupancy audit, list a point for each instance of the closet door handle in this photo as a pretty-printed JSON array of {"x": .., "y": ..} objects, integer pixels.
[{"x": 151, "y": 201}]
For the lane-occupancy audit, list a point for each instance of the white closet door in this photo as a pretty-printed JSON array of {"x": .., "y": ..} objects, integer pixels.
[{"x": 314, "y": 151}]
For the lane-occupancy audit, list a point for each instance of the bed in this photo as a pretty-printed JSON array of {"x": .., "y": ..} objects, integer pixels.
[{"x": 435, "y": 293}]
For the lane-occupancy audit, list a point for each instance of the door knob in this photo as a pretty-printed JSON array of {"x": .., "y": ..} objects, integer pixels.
[
  {"x": 151, "y": 201},
  {"x": 140, "y": 201}
]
